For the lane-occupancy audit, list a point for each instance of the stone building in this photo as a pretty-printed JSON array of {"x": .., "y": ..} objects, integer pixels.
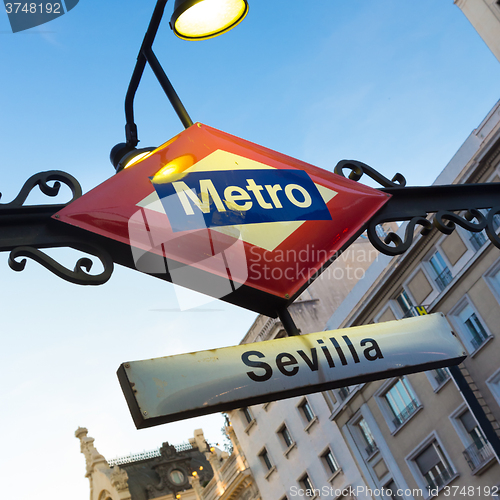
[
  {"x": 484, "y": 15},
  {"x": 191, "y": 471},
  {"x": 291, "y": 445},
  {"x": 416, "y": 433},
  {"x": 412, "y": 435}
]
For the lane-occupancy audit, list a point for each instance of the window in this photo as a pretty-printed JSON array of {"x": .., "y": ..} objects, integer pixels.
[
  {"x": 402, "y": 402},
  {"x": 329, "y": 462},
  {"x": 441, "y": 375},
  {"x": 494, "y": 279},
  {"x": 367, "y": 436},
  {"x": 406, "y": 305},
  {"x": 343, "y": 393},
  {"x": 264, "y": 457},
  {"x": 330, "y": 399},
  {"x": 494, "y": 385},
  {"x": 472, "y": 429},
  {"x": 442, "y": 274},
  {"x": 438, "y": 377},
  {"x": 477, "y": 240},
  {"x": 434, "y": 466},
  {"x": 247, "y": 415},
  {"x": 306, "y": 484},
  {"x": 177, "y": 477},
  {"x": 471, "y": 327},
  {"x": 248, "y": 419},
  {"x": 306, "y": 411},
  {"x": 285, "y": 435},
  {"x": 478, "y": 453},
  {"x": 392, "y": 490}
]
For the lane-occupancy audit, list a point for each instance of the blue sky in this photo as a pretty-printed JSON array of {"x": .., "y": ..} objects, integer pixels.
[{"x": 398, "y": 85}]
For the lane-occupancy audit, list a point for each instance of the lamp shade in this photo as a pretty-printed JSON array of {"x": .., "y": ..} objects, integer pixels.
[
  {"x": 202, "y": 19},
  {"x": 123, "y": 155}
]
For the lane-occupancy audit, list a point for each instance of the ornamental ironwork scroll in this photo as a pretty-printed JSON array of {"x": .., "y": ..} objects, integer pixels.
[
  {"x": 24, "y": 229},
  {"x": 479, "y": 203}
]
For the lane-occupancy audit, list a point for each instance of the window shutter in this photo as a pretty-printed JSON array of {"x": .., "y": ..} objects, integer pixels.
[
  {"x": 427, "y": 459},
  {"x": 468, "y": 421}
]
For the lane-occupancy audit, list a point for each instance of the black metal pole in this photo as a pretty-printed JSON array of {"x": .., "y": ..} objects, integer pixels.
[
  {"x": 146, "y": 55},
  {"x": 167, "y": 87},
  {"x": 476, "y": 410},
  {"x": 288, "y": 323}
]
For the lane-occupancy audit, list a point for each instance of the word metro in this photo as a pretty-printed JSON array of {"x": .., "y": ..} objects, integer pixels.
[{"x": 167, "y": 389}]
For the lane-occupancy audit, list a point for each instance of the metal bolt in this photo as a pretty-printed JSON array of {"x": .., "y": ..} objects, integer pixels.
[
  {"x": 56, "y": 216},
  {"x": 127, "y": 365},
  {"x": 287, "y": 296},
  {"x": 144, "y": 413}
]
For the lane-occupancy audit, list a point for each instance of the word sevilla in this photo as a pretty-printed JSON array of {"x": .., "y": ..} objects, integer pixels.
[
  {"x": 288, "y": 364},
  {"x": 234, "y": 197}
]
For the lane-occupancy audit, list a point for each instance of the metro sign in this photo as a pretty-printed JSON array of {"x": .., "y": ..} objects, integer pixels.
[{"x": 227, "y": 217}]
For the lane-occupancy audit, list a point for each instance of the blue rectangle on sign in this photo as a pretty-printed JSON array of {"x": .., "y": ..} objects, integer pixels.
[{"x": 232, "y": 197}]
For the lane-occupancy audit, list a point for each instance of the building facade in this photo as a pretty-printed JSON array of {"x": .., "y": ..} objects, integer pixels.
[
  {"x": 416, "y": 434},
  {"x": 291, "y": 446},
  {"x": 406, "y": 437},
  {"x": 484, "y": 15},
  {"x": 191, "y": 471}
]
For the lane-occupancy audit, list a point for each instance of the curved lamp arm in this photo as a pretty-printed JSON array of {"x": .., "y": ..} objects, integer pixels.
[{"x": 146, "y": 54}]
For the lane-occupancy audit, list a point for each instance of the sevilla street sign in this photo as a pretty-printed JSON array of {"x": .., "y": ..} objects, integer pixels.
[
  {"x": 163, "y": 390},
  {"x": 227, "y": 217}
]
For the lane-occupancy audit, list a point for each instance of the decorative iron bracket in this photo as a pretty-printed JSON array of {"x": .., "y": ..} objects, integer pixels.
[
  {"x": 24, "y": 229},
  {"x": 414, "y": 204}
]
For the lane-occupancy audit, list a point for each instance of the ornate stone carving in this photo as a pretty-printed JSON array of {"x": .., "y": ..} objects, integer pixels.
[
  {"x": 119, "y": 478},
  {"x": 92, "y": 456}
]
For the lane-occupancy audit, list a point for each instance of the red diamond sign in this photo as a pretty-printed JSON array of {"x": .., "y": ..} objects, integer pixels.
[{"x": 227, "y": 217}]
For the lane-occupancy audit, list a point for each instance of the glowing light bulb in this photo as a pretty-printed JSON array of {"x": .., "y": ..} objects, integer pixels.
[{"x": 208, "y": 18}]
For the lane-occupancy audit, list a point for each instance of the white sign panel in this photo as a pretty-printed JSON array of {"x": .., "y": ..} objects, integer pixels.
[{"x": 167, "y": 389}]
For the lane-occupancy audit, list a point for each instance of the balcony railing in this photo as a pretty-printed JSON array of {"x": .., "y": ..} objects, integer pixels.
[
  {"x": 146, "y": 455},
  {"x": 496, "y": 219},
  {"x": 444, "y": 278},
  {"x": 402, "y": 417},
  {"x": 410, "y": 313},
  {"x": 477, "y": 455},
  {"x": 438, "y": 478},
  {"x": 371, "y": 448},
  {"x": 477, "y": 240},
  {"x": 441, "y": 376},
  {"x": 477, "y": 341}
]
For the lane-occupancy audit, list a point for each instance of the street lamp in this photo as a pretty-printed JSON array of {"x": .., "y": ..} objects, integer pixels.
[
  {"x": 25, "y": 230},
  {"x": 191, "y": 20}
]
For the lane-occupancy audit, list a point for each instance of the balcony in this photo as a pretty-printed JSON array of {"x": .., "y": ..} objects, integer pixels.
[
  {"x": 371, "y": 448},
  {"x": 477, "y": 341},
  {"x": 402, "y": 417},
  {"x": 477, "y": 240},
  {"x": 477, "y": 455},
  {"x": 444, "y": 279},
  {"x": 436, "y": 479}
]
